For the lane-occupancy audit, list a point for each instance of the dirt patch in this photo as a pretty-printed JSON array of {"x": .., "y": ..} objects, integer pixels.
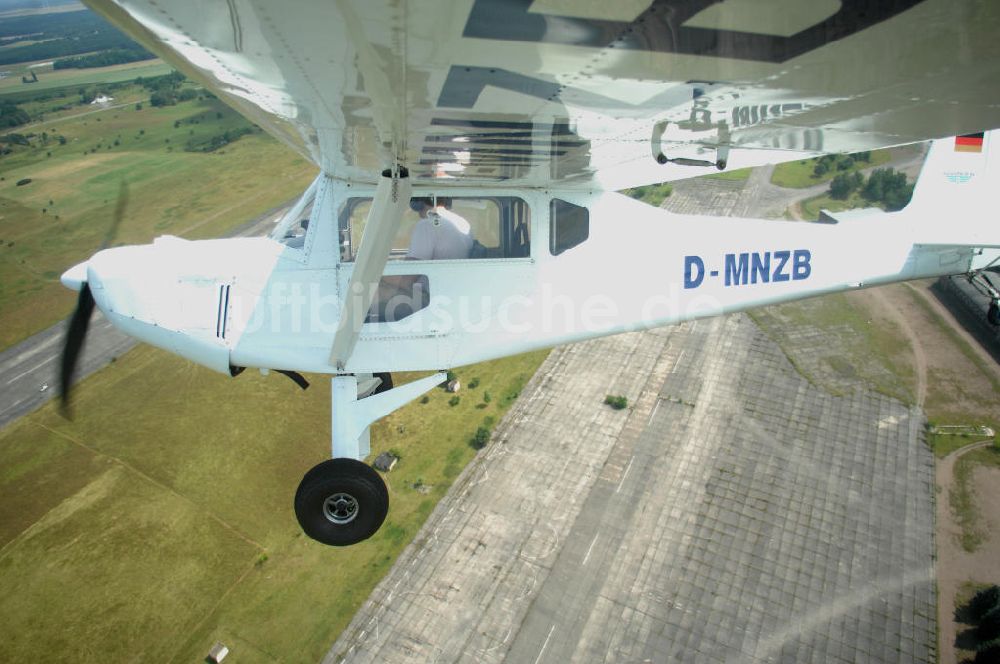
[
  {"x": 955, "y": 565},
  {"x": 986, "y": 492},
  {"x": 959, "y": 388}
]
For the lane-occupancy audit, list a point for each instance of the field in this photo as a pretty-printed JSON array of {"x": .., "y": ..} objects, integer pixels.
[
  {"x": 77, "y": 161},
  {"x": 799, "y": 174},
  {"x": 33, "y": 11},
  {"x": 160, "y": 520},
  {"x": 811, "y": 207},
  {"x": 49, "y": 78},
  {"x": 738, "y": 174}
]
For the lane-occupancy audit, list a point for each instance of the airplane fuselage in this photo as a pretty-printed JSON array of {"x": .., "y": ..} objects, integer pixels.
[{"x": 258, "y": 302}]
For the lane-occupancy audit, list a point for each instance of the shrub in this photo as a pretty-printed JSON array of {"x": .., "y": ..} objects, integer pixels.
[
  {"x": 487, "y": 397},
  {"x": 454, "y": 400},
  {"x": 474, "y": 383},
  {"x": 480, "y": 438},
  {"x": 617, "y": 402},
  {"x": 424, "y": 399}
]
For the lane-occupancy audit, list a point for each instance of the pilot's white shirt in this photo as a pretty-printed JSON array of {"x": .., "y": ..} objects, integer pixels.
[{"x": 441, "y": 235}]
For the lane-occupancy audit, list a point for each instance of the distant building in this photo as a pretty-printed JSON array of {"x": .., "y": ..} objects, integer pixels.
[{"x": 102, "y": 99}]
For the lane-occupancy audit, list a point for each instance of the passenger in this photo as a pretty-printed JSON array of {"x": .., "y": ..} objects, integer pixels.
[{"x": 440, "y": 234}]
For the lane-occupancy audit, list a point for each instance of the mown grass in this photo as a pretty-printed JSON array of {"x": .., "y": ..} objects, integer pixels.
[
  {"x": 799, "y": 174},
  {"x": 160, "y": 520},
  {"x": 738, "y": 174},
  {"x": 62, "y": 216}
]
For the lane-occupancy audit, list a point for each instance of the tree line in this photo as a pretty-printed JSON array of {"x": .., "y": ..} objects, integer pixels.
[
  {"x": 59, "y": 35},
  {"x": 114, "y": 56},
  {"x": 885, "y": 186}
]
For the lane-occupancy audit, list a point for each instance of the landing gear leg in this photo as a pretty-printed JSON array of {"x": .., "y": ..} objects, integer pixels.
[
  {"x": 984, "y": 285},
  {"x": 343, "y": 501}
]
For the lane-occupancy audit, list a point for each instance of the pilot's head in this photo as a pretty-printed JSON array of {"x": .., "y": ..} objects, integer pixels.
[{"x": 421, "y": 205}]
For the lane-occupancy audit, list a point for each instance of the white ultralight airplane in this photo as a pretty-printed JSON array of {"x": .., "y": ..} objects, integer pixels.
[{"x": 524, "y": 118}]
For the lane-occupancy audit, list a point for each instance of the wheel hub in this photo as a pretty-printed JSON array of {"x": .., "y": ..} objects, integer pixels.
[{"x": 340, "y": 508}]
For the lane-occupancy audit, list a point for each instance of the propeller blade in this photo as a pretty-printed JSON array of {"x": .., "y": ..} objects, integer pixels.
[
  {"x": 76, "y": 334},
  {"x": 116, "y": 221}
]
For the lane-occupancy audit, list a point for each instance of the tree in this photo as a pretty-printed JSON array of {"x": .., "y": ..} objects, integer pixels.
[
  {"x": 163, "y": 98},
  {"x": 989, "y": 626},
  {"x": 898, "y": 197},
  {"x": 841, "y": 186},
  {"x": 983, "y": 601},
  {"x": 481, "y": 437},
  {"x": 11, "y": 115}
]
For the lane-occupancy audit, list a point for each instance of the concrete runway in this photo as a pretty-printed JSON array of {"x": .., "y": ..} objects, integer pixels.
[{"x": 734, "y": 513}]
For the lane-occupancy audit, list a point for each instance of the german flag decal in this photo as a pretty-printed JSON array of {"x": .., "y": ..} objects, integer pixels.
[{"x": 969, "y": 143}]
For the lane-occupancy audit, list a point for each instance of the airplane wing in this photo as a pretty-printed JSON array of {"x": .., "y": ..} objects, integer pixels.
[{"x": 602, "y": 95}]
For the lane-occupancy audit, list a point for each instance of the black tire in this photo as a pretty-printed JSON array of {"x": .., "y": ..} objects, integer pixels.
[
  {"x": 341, "y": 502},
  {"x": 386, "y": 383},
  {"x": 993, "y": 314}
]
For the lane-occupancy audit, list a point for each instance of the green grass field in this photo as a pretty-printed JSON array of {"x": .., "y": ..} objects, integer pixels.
[
  {"x": 811, "y": 207},
  {"x": 161, "y": 520},
  {"x": 61, "y": 217},
  {"x": 799, "y": 174},
  {"x": 49, "y": 78},
  {"x": 738, "y": 174}
]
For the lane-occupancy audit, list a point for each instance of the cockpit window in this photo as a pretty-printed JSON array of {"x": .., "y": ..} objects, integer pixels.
[
  {"x": 570, "y": 226},
  {"x": 440, "y": 228}
]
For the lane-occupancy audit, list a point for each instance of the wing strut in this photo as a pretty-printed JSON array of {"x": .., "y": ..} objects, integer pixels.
[{"x": 392, "y": 199}]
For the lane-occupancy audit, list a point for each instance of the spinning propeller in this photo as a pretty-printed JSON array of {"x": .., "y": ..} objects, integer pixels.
[{"x": 76, "y": 332}]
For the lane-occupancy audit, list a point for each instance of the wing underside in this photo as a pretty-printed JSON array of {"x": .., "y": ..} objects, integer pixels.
[{"x": 601, "y": 95}]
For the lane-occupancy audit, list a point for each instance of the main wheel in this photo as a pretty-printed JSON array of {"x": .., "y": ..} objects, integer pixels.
[
  {"x": 386, "y": 384},
  {"x": 341, "y": 502},
  {"x": 993, "y": 314}
]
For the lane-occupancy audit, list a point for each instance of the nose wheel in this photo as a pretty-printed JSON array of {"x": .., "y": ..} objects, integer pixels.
[{"x": 341, "y": 502}]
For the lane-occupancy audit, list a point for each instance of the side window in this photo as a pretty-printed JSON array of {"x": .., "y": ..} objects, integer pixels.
[
  {"x": 443, "y": 228},
  {"x": 291, "y": 230},
  {"x": 569, "y": 225}
]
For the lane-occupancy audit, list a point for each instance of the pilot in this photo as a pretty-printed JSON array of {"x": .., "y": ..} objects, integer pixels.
[
  {"x": 440, "y": 234},
  {"x": 297, "y": 239}
]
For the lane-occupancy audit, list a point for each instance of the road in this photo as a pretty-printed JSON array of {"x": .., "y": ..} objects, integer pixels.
[{"x": 29, "y": 371}]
